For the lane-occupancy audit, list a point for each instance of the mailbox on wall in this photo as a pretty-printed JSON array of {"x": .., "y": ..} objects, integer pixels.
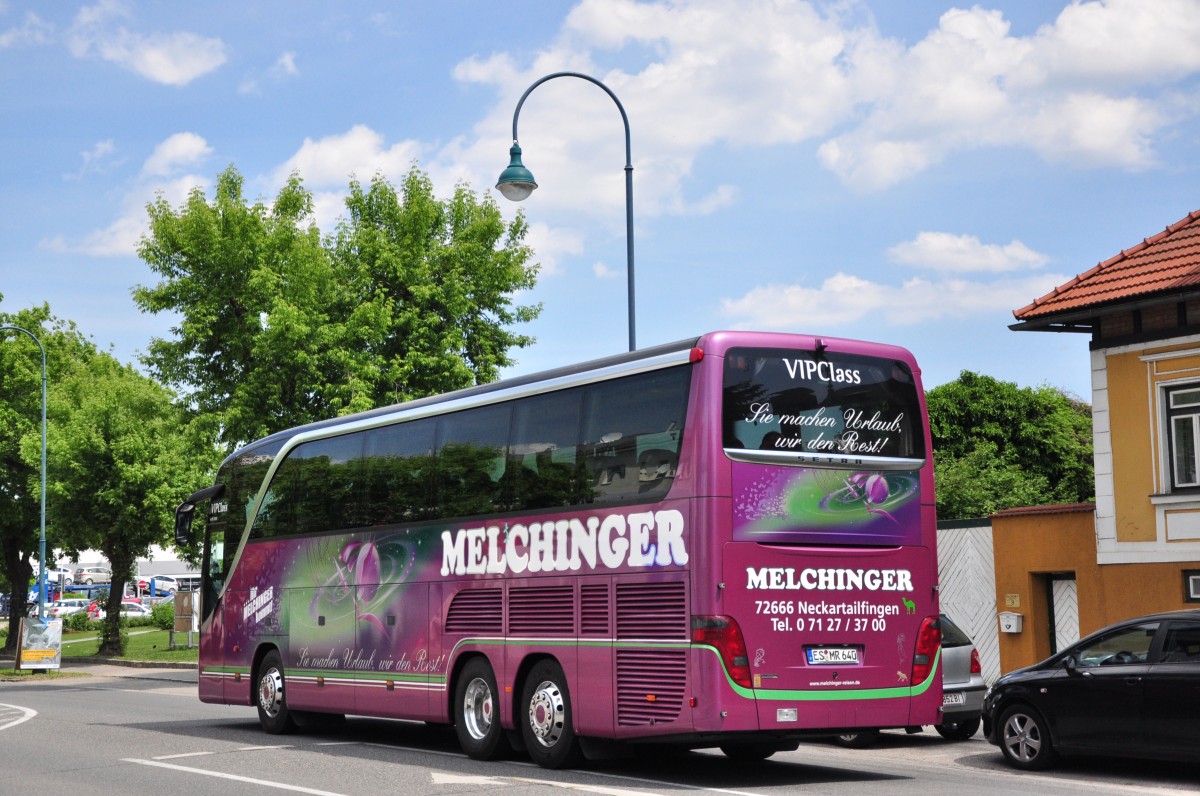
[{"x": 1010, "y": 622}]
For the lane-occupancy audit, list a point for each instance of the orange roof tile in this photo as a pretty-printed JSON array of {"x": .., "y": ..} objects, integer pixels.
[{"x": 1169, "y": 261}]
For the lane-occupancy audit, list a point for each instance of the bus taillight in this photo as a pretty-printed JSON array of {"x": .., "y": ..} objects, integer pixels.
[
  {"x": 723, "y": 633},
  {"x": 928, "y": 640}
]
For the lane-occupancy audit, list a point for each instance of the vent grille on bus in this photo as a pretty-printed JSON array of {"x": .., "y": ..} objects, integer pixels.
[
  {"x": 651, "y": 611},
  {"x": 594, "y": 610},
  {"x": 650, "y": 686},
  {"x": 541, "y": 610},
  {"x": 475, "y": 611}
]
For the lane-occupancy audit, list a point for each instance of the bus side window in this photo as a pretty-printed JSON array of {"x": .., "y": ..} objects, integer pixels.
[
  {"x": 634, "y": 428},
  {"x": 398, "y": 473},
  {"x": 544, "y": 468},
  {"x": 471, "y": 459}
]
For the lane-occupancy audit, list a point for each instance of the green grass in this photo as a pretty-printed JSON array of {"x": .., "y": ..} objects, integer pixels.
[{"x": 144, "y": 644}]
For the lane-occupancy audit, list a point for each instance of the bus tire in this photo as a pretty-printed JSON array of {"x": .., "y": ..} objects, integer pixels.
[
  {"x": 749, "y": 752},
  {"x": 273, "y": 711},
  {"x": 857, "y": 740},
  {"x": 546, "y": 718},
  {"x": 477, "y": 714}
]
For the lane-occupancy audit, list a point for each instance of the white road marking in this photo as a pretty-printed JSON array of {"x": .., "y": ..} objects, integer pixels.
[
  {"x": 234, "y": 777},
  {"x": 12, "y": 715},
  {"x": 444, "y": 778},
  {"x": 185, "y": 754}
]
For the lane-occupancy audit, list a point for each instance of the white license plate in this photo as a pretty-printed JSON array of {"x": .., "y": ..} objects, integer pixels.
[
  {"x": 830, "y": 655},
  {"x": 954, "y": 698}
]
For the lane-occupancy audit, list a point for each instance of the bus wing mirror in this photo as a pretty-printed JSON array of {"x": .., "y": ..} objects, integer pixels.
[{"x": 185, "y": 512}]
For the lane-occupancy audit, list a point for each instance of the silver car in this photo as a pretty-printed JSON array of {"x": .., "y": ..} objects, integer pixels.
[
  {"x": 963, "y": 688},
  {"x": 963, "y": 685},
  {"x": 89, "y": 575}
]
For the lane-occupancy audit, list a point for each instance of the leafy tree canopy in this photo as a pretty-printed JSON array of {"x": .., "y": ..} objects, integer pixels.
[
  {"x": 998, "y": 446},
  {"x": 410, "y": 296},
  {"x": 121, "y": 455},
  {"x": 21, "y": 433}
]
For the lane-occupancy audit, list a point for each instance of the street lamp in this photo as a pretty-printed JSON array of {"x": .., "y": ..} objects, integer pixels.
[
  {"x": 517, "y": 183},
  {"x": 42, "y": 538}
]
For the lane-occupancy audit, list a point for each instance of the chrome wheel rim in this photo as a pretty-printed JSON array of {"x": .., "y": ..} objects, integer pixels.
[
  {"x": 1022, "y": 738},
  {"x": 270, "y": 692},
  {"x": 477, "y": 709},
  {"x": 547, "y": 713}
]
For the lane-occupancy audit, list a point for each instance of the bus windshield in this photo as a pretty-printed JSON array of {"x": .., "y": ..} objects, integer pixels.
[
  {"x": 827, "y": 406},
  {"x": 847, "y": 429}
]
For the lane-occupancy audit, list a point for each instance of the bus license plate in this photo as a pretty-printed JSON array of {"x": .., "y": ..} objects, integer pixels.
[
  {"x": 954, "y": 698},
  {"x": 832, "y": 655}
]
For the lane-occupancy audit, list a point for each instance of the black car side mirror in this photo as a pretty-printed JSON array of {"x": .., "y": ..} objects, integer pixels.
[{"x": 1071, "y": 665}]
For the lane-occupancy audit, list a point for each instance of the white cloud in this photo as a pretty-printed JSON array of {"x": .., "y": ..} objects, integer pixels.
[
  {"x": 843, "y": 299},
  {"x": 602, "y": 271},
  {"x": 283, "y": 69},
  {"x": 97, "y": 160},
  {"x": 180, "y": 151},
  {"x": 549, "y": 244},
  {"x": 32, "y": 30},
  {"x": 1098, "y": 86},
  {"x": 121, "y": 237},
  {"x": 943, "y": 251},
  {"x": 285, "y": 66},
  {"x": 174, "y": 59},
  {"x": 359, "y": 152}
]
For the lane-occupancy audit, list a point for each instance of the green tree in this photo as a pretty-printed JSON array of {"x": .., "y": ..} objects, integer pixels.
[
  {"x": 411, "y": 296},
  {"x": 429, "y": 287},
  {"x": 20, "y": 435},
  {"x": 997, "y": 446},
  {"x": 121, "y": 455},
  {"x": 252, "y": 286}
]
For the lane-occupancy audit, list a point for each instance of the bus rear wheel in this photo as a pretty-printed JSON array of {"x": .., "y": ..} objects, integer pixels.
[
  {"x": 273, "y": 713},
  {"x": 477, "y": 719},
  {"x": 547, "y": 723}
]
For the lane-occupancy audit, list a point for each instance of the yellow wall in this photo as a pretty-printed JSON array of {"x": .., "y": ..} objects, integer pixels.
[
  {"x": 1133, "y": 455},
  {"x": 1030, "y": 546}
]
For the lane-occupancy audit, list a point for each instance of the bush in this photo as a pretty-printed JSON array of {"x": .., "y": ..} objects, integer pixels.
[
  {"x": 163, "y": 615},
  {"x": 76, "y": 621}
]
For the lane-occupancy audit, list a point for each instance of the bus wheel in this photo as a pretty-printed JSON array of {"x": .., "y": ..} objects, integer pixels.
[
  {"x": 547, "y": 723},
  {"x": 477, "y": 720},
  {"x": 857, "y": 740},
  {"x": 749, "y": 752},
  {"x": 273, "y": 711}
]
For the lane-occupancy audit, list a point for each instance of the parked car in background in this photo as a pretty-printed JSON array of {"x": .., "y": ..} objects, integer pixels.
[
  {"x": 963, "y": 688},
  {"x": 92, "y": 575},
  {"x": 57, "y": 576},
  {"x": 163, "y": 584},
  {"x": 60, "y": 608},
  {"x": 1129, "y": 690},
  {"x": 129, "y": 608}
]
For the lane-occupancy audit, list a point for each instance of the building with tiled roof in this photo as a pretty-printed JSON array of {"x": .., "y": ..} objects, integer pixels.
[
  {"x": 1157, "y": 276},
  {"x": 1069, "y": 569}
]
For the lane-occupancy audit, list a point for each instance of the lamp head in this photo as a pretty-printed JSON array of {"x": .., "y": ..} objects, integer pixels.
[{"x": 515, "y": 183}]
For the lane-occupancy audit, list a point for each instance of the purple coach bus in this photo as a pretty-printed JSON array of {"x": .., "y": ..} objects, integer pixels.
[{"x": 723, "y": 542}]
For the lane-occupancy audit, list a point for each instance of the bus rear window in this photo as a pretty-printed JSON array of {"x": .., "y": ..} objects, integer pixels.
[{"x": 820, "y": 403}]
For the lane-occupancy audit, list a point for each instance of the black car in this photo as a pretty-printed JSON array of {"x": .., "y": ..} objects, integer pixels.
[{"x": 1129, "y": 690}]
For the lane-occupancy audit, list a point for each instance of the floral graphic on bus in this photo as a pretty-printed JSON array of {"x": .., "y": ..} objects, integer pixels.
[{"x": 770, "y": 500}]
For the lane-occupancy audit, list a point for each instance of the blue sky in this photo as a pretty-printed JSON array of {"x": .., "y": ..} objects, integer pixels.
[{"x": 906, "y": 172}]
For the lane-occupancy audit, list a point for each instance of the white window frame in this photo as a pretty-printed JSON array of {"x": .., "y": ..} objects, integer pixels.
[{"x": 1174, "y": 412}]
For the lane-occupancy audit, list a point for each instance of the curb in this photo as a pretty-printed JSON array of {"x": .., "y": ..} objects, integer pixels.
[
  {"x": 131, "y": 664},
  {"x": 66, "y": 663}
]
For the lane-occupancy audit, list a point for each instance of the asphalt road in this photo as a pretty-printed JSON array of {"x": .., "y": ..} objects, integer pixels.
[{"x": 142, "y": 731}]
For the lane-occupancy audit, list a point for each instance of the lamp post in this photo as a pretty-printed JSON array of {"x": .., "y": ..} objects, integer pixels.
[
  {"x": 517, "y": 183},
  {"x": 42, "y": 537}
]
